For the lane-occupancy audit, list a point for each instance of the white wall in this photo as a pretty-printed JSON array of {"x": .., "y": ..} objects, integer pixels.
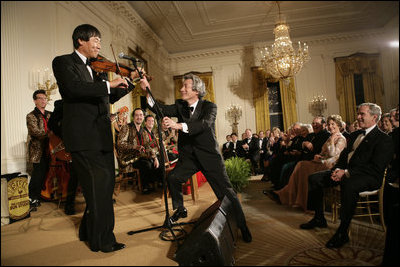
[{"x": 33, "y": 33}]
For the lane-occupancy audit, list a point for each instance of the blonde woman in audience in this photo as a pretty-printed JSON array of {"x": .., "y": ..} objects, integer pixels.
[{"x": 295, "y": 193}]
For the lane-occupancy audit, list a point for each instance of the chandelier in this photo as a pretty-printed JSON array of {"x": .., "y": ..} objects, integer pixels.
[{"x": 280, "y": 60}]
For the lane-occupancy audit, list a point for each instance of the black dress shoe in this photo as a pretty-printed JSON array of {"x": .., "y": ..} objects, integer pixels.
[
  {"x": 146, "y": 191},
  {"x": 115, "y": 247},
  {"x": 246, "y": 235},
  {"x": 180, "y": 212},
  {"x": 272, "y": 195},
  {"x": 338, "y": 240},
  {"x": 321, "y": 223}
]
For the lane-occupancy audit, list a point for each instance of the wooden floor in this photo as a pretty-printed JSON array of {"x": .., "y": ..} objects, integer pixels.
[{"x": 49, "y": 237}]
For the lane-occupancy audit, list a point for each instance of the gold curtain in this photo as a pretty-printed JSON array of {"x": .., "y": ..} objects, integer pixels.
[
  {"x": 366, "y": 64},
  {"x": 206, "y": 77},
  {"x": 260, "y": 95},
  {"x": 288, "y": 101},
  {"x": 260, "y": 99}
]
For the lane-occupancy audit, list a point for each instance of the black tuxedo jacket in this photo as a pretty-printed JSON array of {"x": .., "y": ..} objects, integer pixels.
[
  {"x": 86, "y": 117},
  {"x": 371, "y": 156},
  {"x": 253, "y": 146},
  {"x": 201, "y": 140}
]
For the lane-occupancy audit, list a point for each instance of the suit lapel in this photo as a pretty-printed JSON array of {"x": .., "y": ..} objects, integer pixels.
[
  {"x": 197, "y": 111},
  {"x": 82, "y": 68},
  {"x": 366, "y": 141}
]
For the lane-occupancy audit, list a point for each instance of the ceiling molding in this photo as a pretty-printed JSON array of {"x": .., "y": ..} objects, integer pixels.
[
  {"x": 317, "y": 40},
  {"x": 124, "y": 9},
  {"x": 193, "y": 25}
]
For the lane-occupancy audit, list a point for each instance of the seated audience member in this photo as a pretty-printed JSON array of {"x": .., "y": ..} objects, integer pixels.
[
  {"x": 288, "y": 167},
  {"x": 235, "y": 147},
  {"x": 314, "y": 141},
  {"x": 354, "y": 127},
  {"x": 273, "y": 146},
  {"x": 391, "y": 203},
  {"x": 360, "y": 168},
  {"x": 225, "y": 148},
  {"x": 386, "y": 123},
  {"x": 251, "y": 150},
  {"x": 262, "y": 144},
  {"x": 344, "y": 131},
  {"x": 394, "y": 117},
  {"x": 295, "y": 193},
  {"x": 290, "y": 150}
]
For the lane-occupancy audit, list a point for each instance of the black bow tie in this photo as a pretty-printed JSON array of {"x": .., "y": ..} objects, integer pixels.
[
  {"x": 87, "y": 62},
  {"x": 191, "y": 109},
  {"x": 363, "y": 132}
]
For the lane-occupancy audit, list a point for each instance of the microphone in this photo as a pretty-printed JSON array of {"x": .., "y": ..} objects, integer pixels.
[{"x": 122, "y": 55}]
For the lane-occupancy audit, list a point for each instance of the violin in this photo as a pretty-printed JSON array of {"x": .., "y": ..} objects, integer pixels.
[{"x": 101, "y": 64}]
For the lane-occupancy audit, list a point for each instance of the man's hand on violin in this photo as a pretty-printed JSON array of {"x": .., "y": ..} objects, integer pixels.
[
  {"x": 135, "y": 74},
  {"x": 144, "y": 83},
  {"x": 119, "y": 83}
]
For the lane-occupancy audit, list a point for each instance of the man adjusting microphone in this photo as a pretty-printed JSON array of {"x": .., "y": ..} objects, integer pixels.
[{"x": 198, "y": 147}]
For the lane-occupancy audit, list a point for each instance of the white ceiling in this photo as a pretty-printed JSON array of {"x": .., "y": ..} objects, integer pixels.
[{"x": 194, "y": 25}]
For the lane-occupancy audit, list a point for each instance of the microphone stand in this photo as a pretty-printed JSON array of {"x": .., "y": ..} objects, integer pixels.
[{"x": 167, "y": 225}]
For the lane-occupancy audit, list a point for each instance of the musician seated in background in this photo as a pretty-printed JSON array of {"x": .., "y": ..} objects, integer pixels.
[
  {"x": 135, "y": 149},
  {"x": 170, "y": 139},
  {"x": 153, "y": 152},
  {"x": 120, "y": 120}
]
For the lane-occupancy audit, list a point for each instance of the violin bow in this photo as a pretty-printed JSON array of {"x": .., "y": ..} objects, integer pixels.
[{"x": 118, "y": 69}]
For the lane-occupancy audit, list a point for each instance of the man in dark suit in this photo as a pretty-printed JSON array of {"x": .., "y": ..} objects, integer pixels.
[
  {"x": 360, "y": 168},
  {"x": 251, "y": 149},
  {"x": 198, "y": 148},
  {"x": 235, "y": 146},
  {"x": 87, "y": 134},
  {"x": 226, "y": 153}
]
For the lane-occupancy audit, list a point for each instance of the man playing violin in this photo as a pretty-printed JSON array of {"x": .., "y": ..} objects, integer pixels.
[{"x": 87, "y": 134}]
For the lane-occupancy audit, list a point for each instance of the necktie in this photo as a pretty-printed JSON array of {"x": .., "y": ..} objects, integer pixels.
[
  {"x": 357, "y": 142},
  {"x": 88, "y": 67}
]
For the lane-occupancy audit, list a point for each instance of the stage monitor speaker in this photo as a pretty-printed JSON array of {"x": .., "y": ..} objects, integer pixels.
[{"x": 211, "y": 241}]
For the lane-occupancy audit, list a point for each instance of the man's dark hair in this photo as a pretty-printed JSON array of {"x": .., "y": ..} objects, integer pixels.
[
  {"x": 133, "y": 112},
  {"x": 41, "y": 91},
  {"x": 148, "y": 116},
  {"x": 84, "y": 32}
]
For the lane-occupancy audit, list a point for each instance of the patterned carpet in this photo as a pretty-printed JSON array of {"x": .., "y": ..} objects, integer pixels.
[{"x": 278, "y": 240}]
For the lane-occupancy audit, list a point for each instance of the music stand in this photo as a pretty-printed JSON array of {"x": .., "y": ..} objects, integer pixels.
[{"x": 168, "y": 225}]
